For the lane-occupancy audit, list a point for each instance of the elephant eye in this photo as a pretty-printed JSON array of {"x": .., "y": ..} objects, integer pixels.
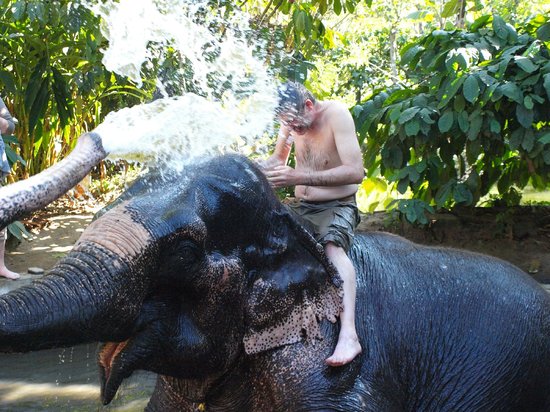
[{"x": 188, "y": 253}]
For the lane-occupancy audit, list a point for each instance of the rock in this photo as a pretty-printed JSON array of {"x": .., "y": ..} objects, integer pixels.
[
  {"x": 534, "y": 266},
  {"x": 35, "y": 271}
]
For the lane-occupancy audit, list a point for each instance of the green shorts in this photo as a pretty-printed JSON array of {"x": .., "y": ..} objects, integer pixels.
[{"x": 332, "y": 221}]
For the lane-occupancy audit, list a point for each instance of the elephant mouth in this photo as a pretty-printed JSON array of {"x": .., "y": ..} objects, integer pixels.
[{"x": 112, "y": 369}]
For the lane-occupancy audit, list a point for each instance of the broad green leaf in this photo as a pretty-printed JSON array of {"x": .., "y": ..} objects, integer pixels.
[
  {"x": 39, "y": 104},
  {"x": 544, "y": 139},
  {"x": 499, "y": 27},
  {"x": 372, "y": 207},
  {"x": 528, "y": 140},
  {"x": 528, "y": 102},
  {"x": 463, "y": 122},
  {"x": 36, "y": 11},
  {"x": 425, "y": 15},
  {"x": 450, "y": 8},
  {"x": 473, "y": 150},
  {"x": 412, "y": 127},
  {"x": 18, "y": 9},
  {"x": 323, "y": 6},
  {"x": 34, "y": 83},
  {"x": 426, "y": 116},
  {"x": 392, "y": 157},
  {"x": 62, "y": 97},
  {"x": 546, "y": 156},
  {"x": 476, "y": 120},
  {"x": 494, "y": 126},
  {"x": 531, "y": 80},
  {"x": 337, "y": 7},
  {"x": 462, "y": 194},
  {"x": 410, "y": 53},
  {"x": 449, "y": 93},
  {"x": 543, "y": 32},
  {"x": 403, "y": 185},
  {"x": 356, "y": 110},
  {"x": 538, "y": 99},
  {"x": 471, "y": 89},
  {"x": 486, "y": 78},
  {"x": 480, "y": 22},
  {"x": 459, "y": 103},
  {"x": 546, "y": 84},
  {"x": 444, "y": 192},
  {"x": 512, "y": 91},
  {"x": 445, "y": 122},
  {"x": 395, "y": 113},
  {"x": 524, "y": 116},
  {"x": 6, "y": 78},
  {"x": 516, "y": 137},
  {"x": 18, "y": 230},
  {"x": 413, "y": 174},
  {"x": 526, "y": 64},
  {"x": 299, "y": 20},
  {"x": 408, "y": 114}
]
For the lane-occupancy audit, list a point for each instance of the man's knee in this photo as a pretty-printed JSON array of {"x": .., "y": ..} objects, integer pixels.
[{"x": 339, "y": 258}]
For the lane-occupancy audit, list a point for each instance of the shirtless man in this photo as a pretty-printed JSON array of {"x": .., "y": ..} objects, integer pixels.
[{"x": 329, "y": 167}]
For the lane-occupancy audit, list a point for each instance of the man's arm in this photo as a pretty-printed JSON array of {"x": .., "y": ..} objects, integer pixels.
[
  {"x": 280, "y": 154},
  {"x": 349, "y": 172}
]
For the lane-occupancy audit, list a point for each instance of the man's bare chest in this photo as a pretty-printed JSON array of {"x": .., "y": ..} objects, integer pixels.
[{"x": 316, "y": 153}]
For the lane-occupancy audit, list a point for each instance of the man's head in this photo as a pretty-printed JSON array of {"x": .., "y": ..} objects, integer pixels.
[{"x": 295, "y": 109}]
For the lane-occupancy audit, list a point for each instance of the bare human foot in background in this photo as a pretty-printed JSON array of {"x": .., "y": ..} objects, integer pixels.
[{"x": 8, "y": 274}]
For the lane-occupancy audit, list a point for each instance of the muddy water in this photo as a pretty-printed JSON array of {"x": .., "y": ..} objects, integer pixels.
[{"x": 64, "y": 380}]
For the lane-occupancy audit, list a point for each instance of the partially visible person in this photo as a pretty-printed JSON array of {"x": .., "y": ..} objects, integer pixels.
[
  {"x": 7, "y": 126},
  {"x": 329, "y": 167}
]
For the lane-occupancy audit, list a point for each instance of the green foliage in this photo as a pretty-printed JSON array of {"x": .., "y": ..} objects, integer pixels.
[
  {"x": 52, "y": 77},
  {"x": 476, "y": 116},
  {"x": 18, "y": 230}
]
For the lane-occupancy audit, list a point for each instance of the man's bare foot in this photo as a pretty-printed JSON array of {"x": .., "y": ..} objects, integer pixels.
[
  {"x": 346, "y": 350},
  {"x": 8, "y": 274}
]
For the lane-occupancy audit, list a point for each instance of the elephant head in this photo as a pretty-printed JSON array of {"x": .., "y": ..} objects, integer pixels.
[{"x": 184, "y": 275}]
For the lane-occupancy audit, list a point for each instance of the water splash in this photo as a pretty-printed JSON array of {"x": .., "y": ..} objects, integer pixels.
[{"x": 234, "y": 95}]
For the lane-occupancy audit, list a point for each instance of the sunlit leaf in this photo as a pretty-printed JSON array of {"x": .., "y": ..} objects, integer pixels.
[{"x": 526, "y": 64}]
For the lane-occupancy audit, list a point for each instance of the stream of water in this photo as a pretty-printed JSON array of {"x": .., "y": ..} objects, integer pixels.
[{"x": 234, "y": 94}]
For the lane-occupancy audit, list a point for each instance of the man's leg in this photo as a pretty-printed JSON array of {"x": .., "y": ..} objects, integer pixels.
[
  {"x": 4, "y": 271},
  {"x": 348, "y": 346}
]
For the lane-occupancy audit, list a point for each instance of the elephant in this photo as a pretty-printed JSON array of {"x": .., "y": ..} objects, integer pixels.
[{"x": 205, "y": 278}]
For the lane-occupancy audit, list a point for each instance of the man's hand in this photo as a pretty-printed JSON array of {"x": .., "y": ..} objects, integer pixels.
[{"x": 281, "y": 176}]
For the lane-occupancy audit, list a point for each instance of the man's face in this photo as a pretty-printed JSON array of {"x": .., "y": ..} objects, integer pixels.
[{"x": 299, "y": 123}]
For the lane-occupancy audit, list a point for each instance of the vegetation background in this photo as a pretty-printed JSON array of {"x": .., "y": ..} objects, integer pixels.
[{"x": 450, "y": 97}]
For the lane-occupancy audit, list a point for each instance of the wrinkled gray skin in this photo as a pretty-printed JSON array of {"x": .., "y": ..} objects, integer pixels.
[{"x": 185, "y": 268}]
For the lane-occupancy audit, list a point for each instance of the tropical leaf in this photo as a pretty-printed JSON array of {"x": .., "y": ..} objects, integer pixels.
[{"x": 471, "y": 88}]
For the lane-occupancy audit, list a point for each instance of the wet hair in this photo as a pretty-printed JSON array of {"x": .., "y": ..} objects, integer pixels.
[{"x": 292, "y": 98}]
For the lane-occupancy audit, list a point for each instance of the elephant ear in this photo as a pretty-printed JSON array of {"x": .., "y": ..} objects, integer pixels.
[{"x": 294, "y": 286}]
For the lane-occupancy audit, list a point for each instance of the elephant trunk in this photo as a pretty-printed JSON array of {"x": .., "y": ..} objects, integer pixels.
[
  {"x": 72, "y": 305},
  {"x": 95, "y": 293},
  {"x": 38, "y": 191}
]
